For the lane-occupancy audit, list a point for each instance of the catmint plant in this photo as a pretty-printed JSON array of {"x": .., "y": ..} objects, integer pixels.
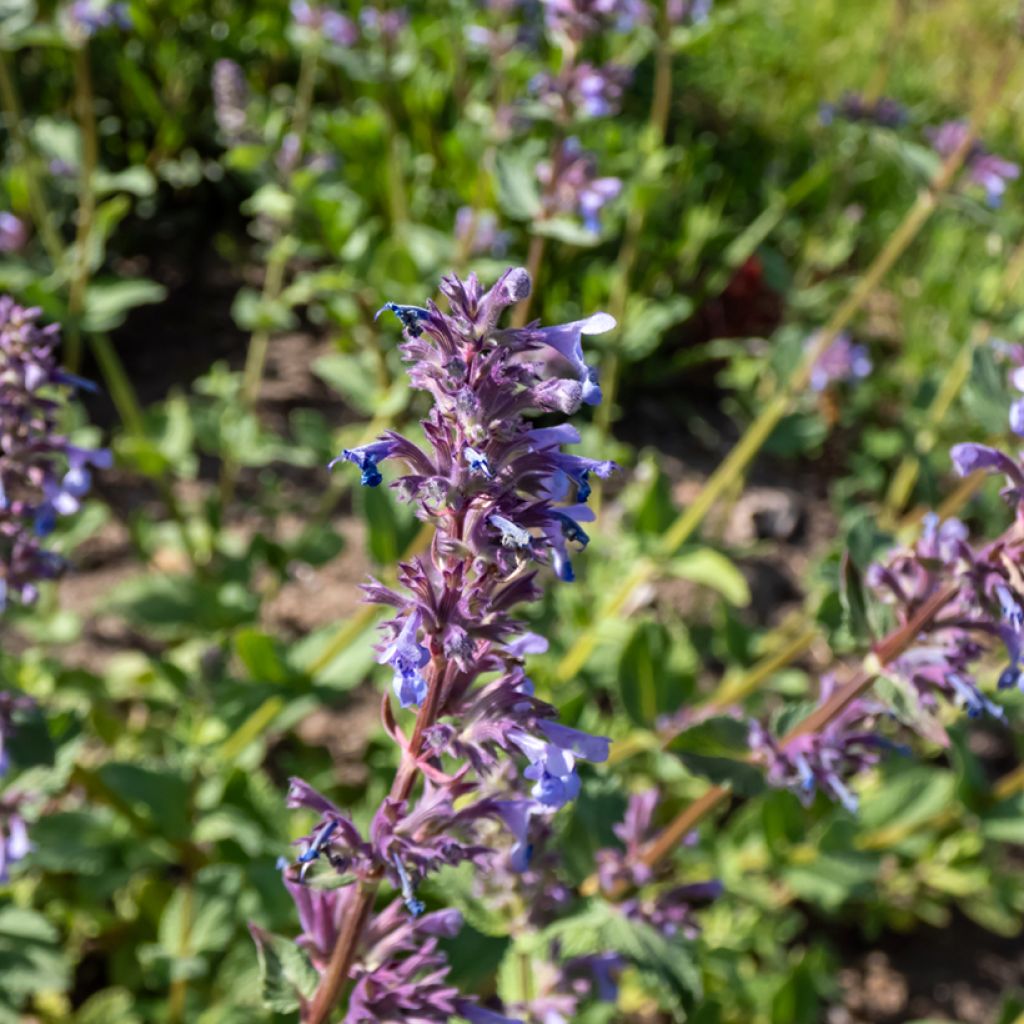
[
  {"x": 42, "y": 474},
  {"x": 507, "y": 504}
]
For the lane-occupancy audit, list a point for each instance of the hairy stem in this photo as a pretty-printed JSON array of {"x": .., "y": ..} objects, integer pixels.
[{"x": 335, "y": 977}]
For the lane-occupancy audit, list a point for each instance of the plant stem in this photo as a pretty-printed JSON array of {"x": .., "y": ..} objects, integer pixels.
[
  {"x": 335, "y": 976},
  {"x": 736, "y": 462},
  {"x": 256, "y": 357},
  {"x": 661, "y": 102},
  {"x": 40, "y": 211},
  {"x": 86, "y": 112},
  {"x": 884, "y": 652}
]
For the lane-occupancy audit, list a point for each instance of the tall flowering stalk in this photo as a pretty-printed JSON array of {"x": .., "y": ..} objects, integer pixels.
[{"x": 505, "y": 501}]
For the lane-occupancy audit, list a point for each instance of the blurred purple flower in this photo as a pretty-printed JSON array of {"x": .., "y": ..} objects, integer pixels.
[
  {"x": 843, "y": 360},
  {"x": 477, "y": 232},
  {"x": 571, "y": 184},
  {"x": 13, "y": 232},
  {"x": 42, "y": 475},
  {"x": 852, "y": 106},
  {"x": 983, "y": 168},
  {"x": 325, "y": 23},
  {"x": 84, "y": 18},
  {"x": 230, "y": 100}
]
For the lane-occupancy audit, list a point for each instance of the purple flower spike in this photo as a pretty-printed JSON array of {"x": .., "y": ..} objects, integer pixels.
[
  {"x": 42, "y": 475},
  {"x": 990, "y": 172},
  {"x": 495, "y": 488}
]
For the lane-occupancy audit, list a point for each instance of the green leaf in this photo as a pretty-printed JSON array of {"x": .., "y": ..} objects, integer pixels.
[
  {"x": 647, "y": 689},
  {"x": 159, "y": 796},
  {"x": 107, "y": 302},
  {"x": 852, "y": 595},
  {"x": 258, "y": 653},
  {"x": 711, "y": 569},
  {"x": 285, "y": 971},
  {"x": 714, "y": 749},
  {"x": 1004, "y": 823},
  {"x": 666, "y": 964},
  {"x": 31, "y": 960},
  {"x": 518, "y": 195}
]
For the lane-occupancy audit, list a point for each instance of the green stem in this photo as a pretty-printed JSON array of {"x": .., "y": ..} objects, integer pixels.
[
  {"x": 661, "y": 102},
  {"x": 41, "y": 215},
  {"x": 86, "y": 113}
]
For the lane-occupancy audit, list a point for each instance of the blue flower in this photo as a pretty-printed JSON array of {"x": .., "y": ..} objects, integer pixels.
[
  {"x": 567, "y": 341},
  {"x": 553, "y": 762},
  {"x": 407, "y": 657},
  {"x": 366, "y": 458},
  {"x": 409, "y": 315}
]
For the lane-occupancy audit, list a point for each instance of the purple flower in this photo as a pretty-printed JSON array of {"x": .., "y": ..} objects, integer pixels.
[
  {"x": 553, "y": 761},
  {"x": 852, "y": 106},
  {"x": 387, "y": 25},
  {"x": 366, "y": 457},
  {"x": 230, "y": 100},
  {"x": 983, "y": 168},
  {"x": 494, "y": 487},
  {"x": 841, "y": 361},
  {"x": 477, "y": 232},
  {"x": 581, "y": 89},
  {"x": 14, "y": 841},
  {"x": 571, "y": 184},
  {"x": 824, "y": 760},
  {"x": 407, "y": 657},
  {"x": 42, "y": 475},
  {"x": 575, "y": 20},
  {"x": 324, "y": 22},
  {"x": 693, "y": 11},
  {"x": 13, "y": 232},
  {"x": 84, "y": 18}
]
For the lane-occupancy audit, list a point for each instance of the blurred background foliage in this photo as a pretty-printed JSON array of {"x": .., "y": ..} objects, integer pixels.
[{"x": 209, "y": 641}]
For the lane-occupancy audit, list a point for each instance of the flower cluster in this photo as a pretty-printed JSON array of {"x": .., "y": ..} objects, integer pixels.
[
  {"x": 852, "y": 106},
  {"x": 323, "y": 23},
  {"x": 42, "y": 475},
  {"x": 983, "y": 593},
  {"x": 668, "y": 908},
  {"x": 824, "y": 760},
  {"x": 504, "y": 499},
  {"x": 84, "y": 18},
  {"x": 843, "y": 360},
  {"x": 983, "y": 168},
  {"x": 572, "y": 186},
  {"x": 230, "y": 100}
]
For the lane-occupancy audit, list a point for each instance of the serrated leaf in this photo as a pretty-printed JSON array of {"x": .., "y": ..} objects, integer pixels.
[{"x": 285, "y": 972}]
